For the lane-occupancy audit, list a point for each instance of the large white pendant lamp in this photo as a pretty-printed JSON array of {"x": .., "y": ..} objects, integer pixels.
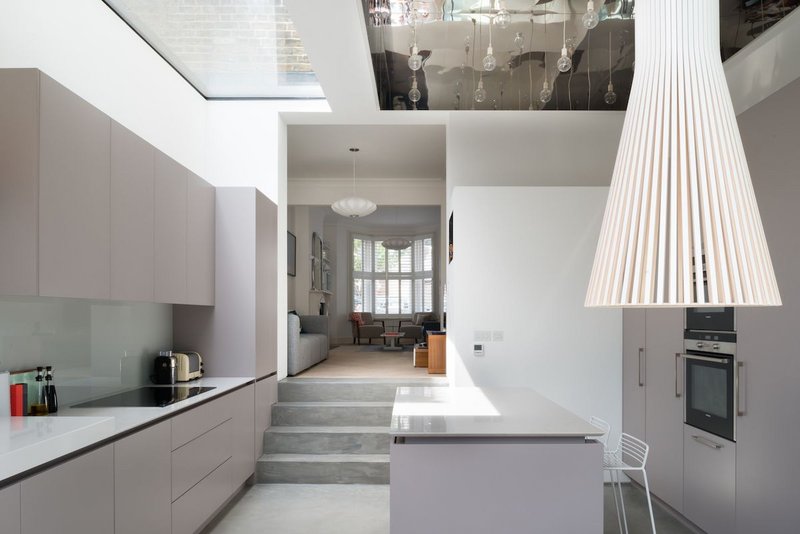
[
  {"x": 681, "y": 226},
  {"x": 354, "y": 206}
]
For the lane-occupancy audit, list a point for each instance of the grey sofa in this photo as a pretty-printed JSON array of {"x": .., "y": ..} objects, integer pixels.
[{"x": 307, "y": 345}]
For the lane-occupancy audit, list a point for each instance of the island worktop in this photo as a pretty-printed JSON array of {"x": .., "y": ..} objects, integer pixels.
[
  {"x": 477, "y": 412},
  {"x": 453, "y": 450}
]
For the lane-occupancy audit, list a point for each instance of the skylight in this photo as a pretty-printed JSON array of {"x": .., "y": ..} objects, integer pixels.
[{"x": 226, "y": 48}]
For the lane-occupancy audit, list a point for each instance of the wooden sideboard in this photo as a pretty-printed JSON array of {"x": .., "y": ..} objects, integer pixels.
[{"x": 437, "y": 350}]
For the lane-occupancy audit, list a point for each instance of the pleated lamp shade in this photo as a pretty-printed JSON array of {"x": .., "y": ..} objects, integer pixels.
[{"x": 681, "y": 226}]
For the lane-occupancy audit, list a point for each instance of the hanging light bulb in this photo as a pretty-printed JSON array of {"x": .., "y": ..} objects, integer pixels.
[
  {"x": 503, "y": 17},
  {"x": 489, "y": 62},
  {"x": 480, "y": 92},
  {"x": 610, "y": 96},
  {"x": 414, "y": 94},
  {"x": 414, "y": 60},
  {"x": 519, "y": 41},
  {"x": 546, "y": 93},
  {"x": 564, "y": 63},
  {"x": 591, "y": 18}
]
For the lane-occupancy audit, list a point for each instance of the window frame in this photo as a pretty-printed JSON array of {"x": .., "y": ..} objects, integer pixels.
[{"x": 387, "y": 275}]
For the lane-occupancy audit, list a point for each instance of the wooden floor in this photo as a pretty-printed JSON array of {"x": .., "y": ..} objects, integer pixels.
[{"x": 360, "y": 361}]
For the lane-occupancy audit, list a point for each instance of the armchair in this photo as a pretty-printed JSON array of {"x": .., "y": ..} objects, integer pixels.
[
  {"x": 366, "y": 326},
  {"x": 415, "y": 325}
]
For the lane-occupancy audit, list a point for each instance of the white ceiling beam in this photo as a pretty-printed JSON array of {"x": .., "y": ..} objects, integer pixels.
[{"x": 335, "y": 38}]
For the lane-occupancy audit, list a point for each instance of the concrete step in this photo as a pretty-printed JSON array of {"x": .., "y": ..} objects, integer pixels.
[
  {"x": 327, "y": 439},
  {"x": 323, "y": 469},
  {"x": 348, "y": 389},
  {"x": 332, "y": 414}
]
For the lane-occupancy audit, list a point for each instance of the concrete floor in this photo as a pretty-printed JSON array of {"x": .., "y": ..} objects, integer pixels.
[{"x": 359, "y": 509}]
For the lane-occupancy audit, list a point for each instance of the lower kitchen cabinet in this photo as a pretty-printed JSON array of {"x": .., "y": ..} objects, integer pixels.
[
  {"x": 244, "y": 418},
  {"x": 142, "y": 481},
  {"x": 75, "y": 497},
  {"x": 664, "y": 405},
  {"x": 9, "y": 510},
  {"x": 709, "y": 481},
  {"x": 197, "y": 506}
]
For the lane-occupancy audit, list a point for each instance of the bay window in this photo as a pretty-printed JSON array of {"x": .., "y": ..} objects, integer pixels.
[{"x": 392, "y": 282}]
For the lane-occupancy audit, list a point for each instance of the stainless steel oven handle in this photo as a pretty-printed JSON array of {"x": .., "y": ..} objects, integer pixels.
[
  {"x": 739, "y": 411},
  {"x": 707, "y": 442},
  {"x": 641, "y": 356},
  {"x": 705, "y": 358},
  {"x": 678, "y": 356}
]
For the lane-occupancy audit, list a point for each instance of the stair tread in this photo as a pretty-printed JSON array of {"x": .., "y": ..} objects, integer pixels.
[
  {"x": 325, "y": 458},
  {"x": 290, "y": 429},
  {"x": 380, "y": 381},
  {"x": 335, "y": 404}
]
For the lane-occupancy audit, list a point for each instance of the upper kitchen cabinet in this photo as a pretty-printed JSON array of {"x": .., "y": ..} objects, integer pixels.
[
  {"x": 132, "y": 216},
  {"x": 90, "y": 210},
  {"x": 239, "y": 336},
  {"x": 200, "y": 241},
  {"x": 19, "y": 186},
  {"x": 74, "y": 216},
  {"x": 171, "y": 208}
]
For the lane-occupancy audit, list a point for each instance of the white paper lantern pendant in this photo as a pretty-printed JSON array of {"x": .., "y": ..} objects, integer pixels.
[
  {"x": 681, "y": 226},
  {"x": 354, "y": 206}
]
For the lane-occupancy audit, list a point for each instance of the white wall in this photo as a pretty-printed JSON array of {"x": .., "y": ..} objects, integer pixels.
[{"x": 521, "y": 265}]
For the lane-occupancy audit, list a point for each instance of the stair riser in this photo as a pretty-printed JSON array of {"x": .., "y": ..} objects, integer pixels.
[
  {"x": 322, "y": 473},
  {"x": 331, "y": 415},
  {"x": 334, "y": 443},
  {"x": 295, "y": 392}
]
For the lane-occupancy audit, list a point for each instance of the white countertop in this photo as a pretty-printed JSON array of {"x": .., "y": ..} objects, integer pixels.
[
  {"x": 29, "y": 442},
  {"x": 482, "y": 412}
]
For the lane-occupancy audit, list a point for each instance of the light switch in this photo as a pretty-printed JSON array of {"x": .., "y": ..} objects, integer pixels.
[
  {"x": 482, "y": 335},
  {"x": 497, "y": 335}
]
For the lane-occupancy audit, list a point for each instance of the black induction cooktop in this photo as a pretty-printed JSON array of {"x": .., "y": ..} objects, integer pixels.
[{"x": 146, "y": 397}]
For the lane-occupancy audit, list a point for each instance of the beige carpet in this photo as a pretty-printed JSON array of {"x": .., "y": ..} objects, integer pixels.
[{"x": 353, "y": 362}]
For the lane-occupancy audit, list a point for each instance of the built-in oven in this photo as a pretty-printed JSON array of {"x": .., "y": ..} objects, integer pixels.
[
  {"x": 710, "y": 319},
  {"x": 711, "y": 383}
]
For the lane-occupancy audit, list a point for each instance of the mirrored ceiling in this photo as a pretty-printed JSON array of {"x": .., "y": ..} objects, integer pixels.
[
  {"x": 527, "y": 38},
  {"x": 226, "y": 49}
]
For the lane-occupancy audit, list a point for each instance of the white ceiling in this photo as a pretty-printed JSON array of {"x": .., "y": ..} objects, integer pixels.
[{"x": 386, "y": 152}]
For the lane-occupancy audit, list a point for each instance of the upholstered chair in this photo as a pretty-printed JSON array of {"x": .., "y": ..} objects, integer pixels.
[
  {"x": 414, "y": 326},
  {"x": 367, "y": 328}
]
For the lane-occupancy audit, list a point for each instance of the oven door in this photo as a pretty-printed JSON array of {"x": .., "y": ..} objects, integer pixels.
[{"x": 710, "y": 394}]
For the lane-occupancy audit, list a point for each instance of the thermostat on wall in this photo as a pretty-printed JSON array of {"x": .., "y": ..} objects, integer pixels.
[{"x": 477, "y": 349}]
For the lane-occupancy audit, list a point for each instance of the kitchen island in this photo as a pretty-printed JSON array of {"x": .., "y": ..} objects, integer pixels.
[{"x": 499, "y": 460}]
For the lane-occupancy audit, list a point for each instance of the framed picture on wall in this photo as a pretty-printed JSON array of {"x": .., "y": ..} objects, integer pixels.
[
  {"x": 450, "y": 247},
  {"x": 291, "y": 254}
]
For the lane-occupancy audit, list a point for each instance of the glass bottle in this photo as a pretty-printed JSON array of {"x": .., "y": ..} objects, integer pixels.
[{"x": 50, "y": 391}]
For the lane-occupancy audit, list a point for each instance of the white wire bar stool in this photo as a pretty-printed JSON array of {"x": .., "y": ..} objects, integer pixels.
[{"x": 630, "y": 455}]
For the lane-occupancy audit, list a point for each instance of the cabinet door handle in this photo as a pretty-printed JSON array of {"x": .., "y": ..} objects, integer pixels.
[
  {"x": 707, "y": 442},
  {"x": 678, "y": 356},
  {"x": 740, "y": 407},
  {"x": 641, "y": 357}
]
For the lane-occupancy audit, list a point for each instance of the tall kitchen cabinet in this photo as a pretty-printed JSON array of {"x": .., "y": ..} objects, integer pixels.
[
  {"x": 653, "y": 395},
  {"x": 239, "y": 336},
  {"x": 90, "y": 210}
]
